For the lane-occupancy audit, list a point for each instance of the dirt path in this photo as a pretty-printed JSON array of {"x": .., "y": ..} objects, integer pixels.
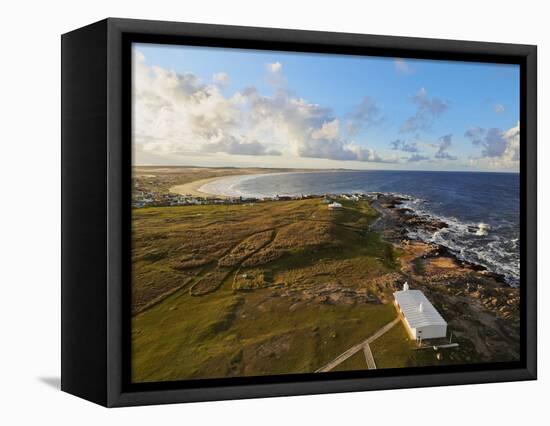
[{"x": 354, "y": 349}]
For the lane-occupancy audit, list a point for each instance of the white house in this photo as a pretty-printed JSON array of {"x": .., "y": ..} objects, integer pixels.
[
  {"x": 334, "y": 206},
  {"x": 421, "y": 319}
]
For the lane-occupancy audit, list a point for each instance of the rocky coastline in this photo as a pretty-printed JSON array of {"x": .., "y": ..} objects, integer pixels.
[{"x": 481, "y": 308}]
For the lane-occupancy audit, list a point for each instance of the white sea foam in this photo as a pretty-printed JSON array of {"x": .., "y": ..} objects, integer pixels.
[
  {"x": 482, "y": 229},
  {"x": 462, "y": 239}
]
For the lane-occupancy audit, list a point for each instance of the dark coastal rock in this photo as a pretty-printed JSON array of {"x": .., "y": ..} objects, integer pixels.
[
  {"x": 405, "y": 210},
  {"x": 422, "y": 223},
  {"x": 466, "y": 279}
]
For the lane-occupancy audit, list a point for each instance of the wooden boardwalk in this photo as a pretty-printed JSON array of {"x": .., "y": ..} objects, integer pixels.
[
  {"x": 354, "y": 349},
  {"x": 369, "y": 357}
]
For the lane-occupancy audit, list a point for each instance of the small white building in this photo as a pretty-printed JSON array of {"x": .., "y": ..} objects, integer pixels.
[
  {"x": 421, "y": 319},
  {"x": 335, "y": 206}
]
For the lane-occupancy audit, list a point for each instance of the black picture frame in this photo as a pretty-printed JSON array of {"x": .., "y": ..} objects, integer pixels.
[{"x": 96, "y": 155}]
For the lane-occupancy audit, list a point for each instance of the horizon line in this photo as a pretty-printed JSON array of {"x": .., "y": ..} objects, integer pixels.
[{"x": 325, "y": 168}]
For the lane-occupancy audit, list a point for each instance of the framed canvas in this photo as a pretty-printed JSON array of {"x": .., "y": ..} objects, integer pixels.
[{"x": 254, "y": 212}]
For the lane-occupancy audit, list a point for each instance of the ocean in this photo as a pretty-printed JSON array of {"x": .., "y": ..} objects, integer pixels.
[{"x": 481, "y": 209}]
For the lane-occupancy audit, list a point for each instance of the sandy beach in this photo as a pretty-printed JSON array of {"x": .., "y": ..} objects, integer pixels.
[
  {"x": 224, "y": 186},
  {"x": 219, "y": 186},
  {"x": 193, "y": 188}
]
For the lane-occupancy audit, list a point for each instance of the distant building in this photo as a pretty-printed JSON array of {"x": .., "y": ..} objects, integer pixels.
[
  {"x": 421, "y": 319},
  {"x": 335, "y": 206}
]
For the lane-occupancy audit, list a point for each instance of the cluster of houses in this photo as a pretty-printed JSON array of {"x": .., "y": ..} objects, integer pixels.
[
  {"x": 154, "y": 199},
  {"x": 143, "y": 198},
  {"x": 335, "y": 205},
  {"x": 150, "y": 199}
]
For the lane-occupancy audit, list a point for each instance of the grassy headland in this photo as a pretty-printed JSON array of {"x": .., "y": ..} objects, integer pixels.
[{"x": 275, "y": 287}]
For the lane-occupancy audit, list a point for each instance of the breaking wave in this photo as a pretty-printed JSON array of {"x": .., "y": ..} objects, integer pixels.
[{"x": 478, "y": 243}]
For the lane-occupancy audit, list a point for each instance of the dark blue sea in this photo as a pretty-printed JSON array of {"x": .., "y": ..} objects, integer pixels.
[{"x": 481, "y": 209}]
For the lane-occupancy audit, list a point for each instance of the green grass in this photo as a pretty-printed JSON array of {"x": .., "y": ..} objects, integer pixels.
[
  {"x": 396, "y": 350},
  {"x": 239, "y": 333},
  {"x": 353, "y": 363},
  {"x": 174, "y": 246},
  {"x": 187, "y": 337}
]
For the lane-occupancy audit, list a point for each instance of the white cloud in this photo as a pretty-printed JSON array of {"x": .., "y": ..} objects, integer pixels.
[
  {"x": 401, "y": 145},
  {"x": 176, "y": 114},
  {"x": 237, "y": 145},
  {"x": 427, "y": 111},
  {"x": 499, "y": 108},
  {"x": 221, "y": 78},
  {"x": 499, "y": 148},
  {"x": 329, "y": 130},
  {"x": 274, "y": 67},
  {"x": 369, "y": 154},
  {"x": 417, "y": 157},
  {"x": 441, "y": 148},
  {"x": 402, "y": 66},
  {"x": 444, "y": 143},
  {"x": 308, "y": 129},
  {"x": 365, "y": 114}
]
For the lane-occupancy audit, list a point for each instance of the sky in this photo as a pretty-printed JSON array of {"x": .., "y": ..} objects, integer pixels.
[{"x": 214, "y": 107}]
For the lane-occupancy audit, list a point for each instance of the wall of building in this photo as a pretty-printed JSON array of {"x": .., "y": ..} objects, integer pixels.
[{"x": 431, "y": 332}]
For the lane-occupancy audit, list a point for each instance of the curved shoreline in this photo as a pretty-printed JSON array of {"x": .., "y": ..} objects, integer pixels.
[
  {"x": 224, "y": 186},
  {"x": 200, "y": 188},
  {"x": 193, "y": 188},
  {"x": 207, "y": 187}
]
